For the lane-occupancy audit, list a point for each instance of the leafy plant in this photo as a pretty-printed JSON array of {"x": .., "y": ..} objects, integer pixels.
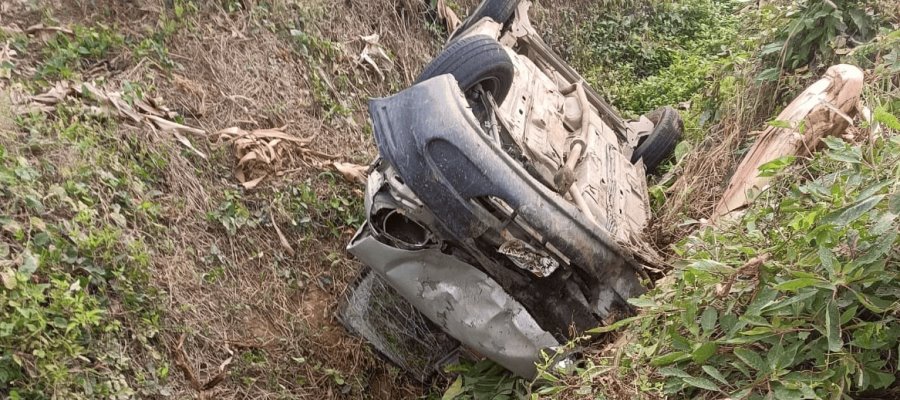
[
  {"x": 74, "y": 283},
  {"x": 798, "y": 300},
  {"x": 65, "y": 54},
  {"x": 484, "y": 380},
  {"x": 647, "y": 54},
  {"x": 814, "y": 29},
  {"x": 232, "y": 214}
]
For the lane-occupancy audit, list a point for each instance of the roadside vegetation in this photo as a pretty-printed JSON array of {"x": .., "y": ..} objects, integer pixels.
[{"x": 135, "y": 264}]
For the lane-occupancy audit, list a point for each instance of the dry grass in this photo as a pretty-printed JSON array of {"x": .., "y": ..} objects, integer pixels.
[
  {"x": 275, "y": 337},
  {"x": 704, "y": 173}
]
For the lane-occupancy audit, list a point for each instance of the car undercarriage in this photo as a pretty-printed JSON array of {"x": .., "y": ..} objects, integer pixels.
[{"x": 506, "y": 204}]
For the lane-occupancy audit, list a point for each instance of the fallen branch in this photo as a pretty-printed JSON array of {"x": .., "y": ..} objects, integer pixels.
[{"x": 181, "y": 362}]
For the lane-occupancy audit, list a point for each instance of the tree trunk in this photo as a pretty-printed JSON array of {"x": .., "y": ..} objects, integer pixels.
[{"x": 823, "y": 109}]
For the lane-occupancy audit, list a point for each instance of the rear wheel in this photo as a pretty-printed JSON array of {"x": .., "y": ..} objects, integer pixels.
[
  {"x": 660, "y": 144},
  {"x": 475, "y": 60},
  {"x": 497, "y": 10}
]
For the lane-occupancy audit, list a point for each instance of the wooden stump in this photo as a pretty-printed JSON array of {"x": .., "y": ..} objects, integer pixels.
[{"x": 824, "y": 109}]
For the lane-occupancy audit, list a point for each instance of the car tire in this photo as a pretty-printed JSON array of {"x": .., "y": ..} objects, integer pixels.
[
  {"x": 660, "y": 144},
  {"x": 497, "y": 10},
  {"x": 473, "y": 60}
]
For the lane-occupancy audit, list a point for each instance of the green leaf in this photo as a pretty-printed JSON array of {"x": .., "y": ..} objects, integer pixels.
[
  {"x": 641, "y": 302},
  {"x": 894, "y": 203},
  {"x": 791, "y": 300},
  {"x": 759, "y": 330},
  {"x": 29, "y": 264},
  {"x": 794, "y": 285},
  {"x": 672, "y": 371},
  {"x": 775, "y": 166},
  {"x": 711, "y": 266},
  {"x": 883, "y": 116},
  {"x": 769, "y": 75},
  {"x": 454, "y": 390},
  {"x": 771, "y": 48},
  {"x": 833, "y": 327},
  {"x": 708, "y": 319},
  {"x": 852, "y": 156},
  {"x": 750, "y": 358},
  {"x": 670, "y": 358},
  {"x": 862, "y": 21},
  {"x": 702, "y": 383},
  {"x": 615, "y": 325},
  {"x": 780, "y": 124},
  {"x": 713, "y": 372},
  {"x": 882, "y": 246},
  {"x": 873, "y": 303},
  {"x": 741, "y": 394},
  {"x": 827, "y": 259},
  {"x": 764, "y": 298},
  {"x": 704, "y": 352},
  {"x": 854, "y": 212}
]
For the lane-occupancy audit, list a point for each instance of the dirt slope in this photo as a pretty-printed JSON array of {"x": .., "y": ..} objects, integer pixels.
[{"x": 232, "y": 297}]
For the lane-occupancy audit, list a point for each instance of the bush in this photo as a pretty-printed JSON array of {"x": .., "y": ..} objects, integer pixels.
[
  {"x": 800, "y": 299},
  {"x": 647, "y": 54}
]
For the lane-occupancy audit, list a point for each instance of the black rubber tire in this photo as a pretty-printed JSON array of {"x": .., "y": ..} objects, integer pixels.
[
  {"x": 473, "y": 60},
  {"x": 660, "y": 144},
  {"x": 497, "y": 10}
]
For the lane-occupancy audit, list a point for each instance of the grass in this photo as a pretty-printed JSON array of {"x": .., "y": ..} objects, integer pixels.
[
  {"x": 65, "y": 54},
  {"x": 76, "y": 277},
  {"x": 122, "y": 253}
]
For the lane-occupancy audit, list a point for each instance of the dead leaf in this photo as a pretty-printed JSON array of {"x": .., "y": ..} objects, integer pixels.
[
  {"x": 187, "y": 143},
  {"x": 166, "y": 125},
  {"x": 352, "y": 172},
  {"x": 281, "y": 238},
  {"x": 41, "y": 27},
  {"x": 54, "y": 95},
  {"x": 445, "y": 13},
  {"x": 263, "y": 152},
  {"x": 371, "y": 51}
]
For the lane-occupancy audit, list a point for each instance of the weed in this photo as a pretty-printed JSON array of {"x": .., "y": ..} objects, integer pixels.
[
  {"x": 153, "y": 46},
  {"x": 811, "y": 32},
  {"x": 65, "y": 54},
  {"x": 335, "y": 208},
  {"x": 318, "y": 51},
  {"x": 75, "y": 279},
  {"x": 232, "y": 214}
]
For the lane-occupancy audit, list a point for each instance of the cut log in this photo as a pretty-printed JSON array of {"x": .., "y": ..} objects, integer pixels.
[{"x": 824, "y": 109}]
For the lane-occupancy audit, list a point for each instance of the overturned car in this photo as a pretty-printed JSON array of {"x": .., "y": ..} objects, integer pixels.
[{"x": 505, "y": 205}]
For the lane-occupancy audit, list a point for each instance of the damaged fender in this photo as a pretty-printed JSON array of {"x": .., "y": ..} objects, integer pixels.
[{"x": 462, "y": 300}]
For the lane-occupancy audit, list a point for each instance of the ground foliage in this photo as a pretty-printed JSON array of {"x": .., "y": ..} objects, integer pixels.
[
  {"x": 132, "y": 266},
  {"x": 75, "y": 269},
  {"x": 797, "y": 300},
  {"x": 646, "y": 54}
]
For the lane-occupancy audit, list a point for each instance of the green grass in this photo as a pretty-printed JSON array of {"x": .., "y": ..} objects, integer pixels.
[{"x": 76, "y": 278}]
